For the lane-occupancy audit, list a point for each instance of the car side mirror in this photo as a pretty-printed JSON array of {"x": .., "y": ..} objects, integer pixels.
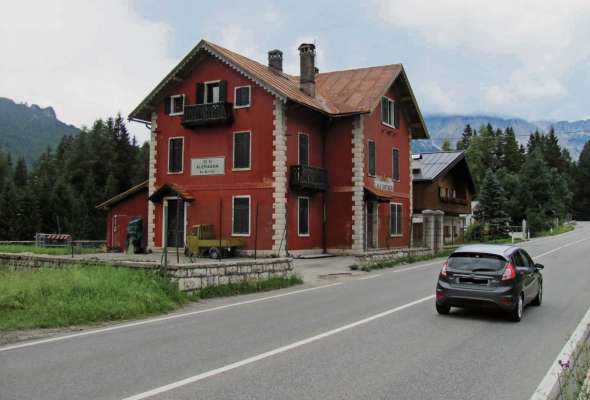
[{"x": 539, "y": 266}]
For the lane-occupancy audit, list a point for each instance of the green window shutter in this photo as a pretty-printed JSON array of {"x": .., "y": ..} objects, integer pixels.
[
  {"x": 395, "y": 115},
  {"x": 200, "y": 92},
  {"x": 167, "y": 105},
  {"x": 222, "y": 91}
]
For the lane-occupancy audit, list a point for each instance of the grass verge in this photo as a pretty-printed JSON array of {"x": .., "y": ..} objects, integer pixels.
[
  {"x": 394, "y": 262},
  {"x": 234, "y": 289},
  {"x": 51, "y": 298},
  {"x": 48, "y": 298},
  {"x": 557, "y": 231},
  {"x": 52, "y": 251}
]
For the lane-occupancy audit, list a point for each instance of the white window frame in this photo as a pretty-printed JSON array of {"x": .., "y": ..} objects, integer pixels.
[
  {"x": 247, "y": 196},
  {"x": 369, "y": 160},
  {"x": 401, "y": 206},
  {"x": 182, "y": 156},
  {"x": 249, "y": 96},
  {"x": 308, "y": 216},
  {"x": 391, "y": 113},
  {"x": 172, "y": 113},
  {"x": 164, "y": 227},
  {"x": 399, "y": 171},
  {"x": 249, "y": 168},
  {"x": 205, "y": 84},
  {"x": 299, "y": 134}
]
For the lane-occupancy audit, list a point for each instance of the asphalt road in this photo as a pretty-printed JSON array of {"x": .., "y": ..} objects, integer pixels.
[{"x": 376, "y": 338}]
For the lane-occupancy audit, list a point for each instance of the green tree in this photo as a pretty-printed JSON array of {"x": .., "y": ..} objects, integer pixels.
[
  {"x": 492, "y": 203},
  {"x": 465, "y": 141},
  {"x": 582, "y": 180},
  {"x": 446, "y": 146}
]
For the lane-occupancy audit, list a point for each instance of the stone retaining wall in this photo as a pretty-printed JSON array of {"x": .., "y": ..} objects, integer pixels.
[
  {"x": 190, "y": 277},
  {"x": 379, "y": 255}
]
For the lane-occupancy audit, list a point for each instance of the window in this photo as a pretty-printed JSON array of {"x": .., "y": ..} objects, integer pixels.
[
  {"x": 211, "y": 92},
  {"x": 242, "y": 150},
  {"x": 372, "y": 156},
  {"x": 395, "y": 219},
  {"x": 518, "y": 259},
  {"x": 388, "y": 116},
  {"x": 242, "y": 96},
  {"x": 395, "y": 158},
  {"x": 177, "y": 104},
  {"x": 241, "y": 216},
  {"x": 175, "y": 155},
  {"x": 303, "y": 149},
  {"x": 303, "y": 216}
]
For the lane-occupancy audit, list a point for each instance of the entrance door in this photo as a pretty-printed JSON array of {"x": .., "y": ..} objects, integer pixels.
[
  {"x": 371, "y": 224},
  {"x": 175, "y": 223}
]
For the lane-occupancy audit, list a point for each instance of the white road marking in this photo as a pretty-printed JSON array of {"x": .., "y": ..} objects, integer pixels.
[
  {"x": 560, "y": 247},
  {"x": 160, "y": 319},
  {"x": 370, "y": 277},
  {"x": 271, "y": 353}
]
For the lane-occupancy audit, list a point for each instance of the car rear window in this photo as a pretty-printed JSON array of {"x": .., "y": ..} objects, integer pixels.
[{"x": 480, "y": 261}]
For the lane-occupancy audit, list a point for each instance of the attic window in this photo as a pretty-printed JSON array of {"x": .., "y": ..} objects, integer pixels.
[
  {"x": 416, "y": 171},
  {"x": 389, "y": 115},
  {"x": 177, "y": 104},
  {"x": 242, "y": 97}
]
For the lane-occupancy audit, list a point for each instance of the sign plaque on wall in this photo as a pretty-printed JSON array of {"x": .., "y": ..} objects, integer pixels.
[
  {"x": 208, "y": 166},
  {"x": 383, "y": 184}
]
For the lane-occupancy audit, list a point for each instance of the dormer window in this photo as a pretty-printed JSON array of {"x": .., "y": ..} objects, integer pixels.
[
  {"x": 242, "y": 96},
  {"x": 388, "y": 113},
  {"x": 174, "y": 105}
]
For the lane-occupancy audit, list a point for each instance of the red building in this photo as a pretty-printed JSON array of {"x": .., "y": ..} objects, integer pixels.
[
  {"x": 120, "y": 210},
  {"x": 313, "y": 163}
]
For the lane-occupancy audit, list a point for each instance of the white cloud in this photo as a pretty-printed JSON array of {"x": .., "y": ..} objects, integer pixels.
[
  {"x": 443, "y": 99},
  {"x": 544, "y": 38},
  {"x": 87, "y": 59}
]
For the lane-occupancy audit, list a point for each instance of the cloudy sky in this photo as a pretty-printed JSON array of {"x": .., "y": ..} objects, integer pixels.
[{"x": 89, "y": 59}]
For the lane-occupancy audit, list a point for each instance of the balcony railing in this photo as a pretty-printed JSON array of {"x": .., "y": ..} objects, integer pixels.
[
  {"x": 453, "y": 200},
  {"x": 207, "y": 114},
  {"x": 308, "y": 178}
]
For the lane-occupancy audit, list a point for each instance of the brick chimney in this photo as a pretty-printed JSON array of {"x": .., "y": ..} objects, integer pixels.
[
  {"x": 275, "y": 60},
  {"x": 307, "y": 66}
]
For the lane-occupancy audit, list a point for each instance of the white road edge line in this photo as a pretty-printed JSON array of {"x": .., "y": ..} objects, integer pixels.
[
  {"x": 159, "y": 319},
  {"x": 550, "y": 383},
  {"x": 370, "y": 277},
  {"x": 560, "y": 247},
  {"x": 271, "y": 353}
]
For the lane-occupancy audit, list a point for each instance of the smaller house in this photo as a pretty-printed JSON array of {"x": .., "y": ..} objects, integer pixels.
[
  {"x": 442, "y": 193},
  {"x": 121, "y": 209}
]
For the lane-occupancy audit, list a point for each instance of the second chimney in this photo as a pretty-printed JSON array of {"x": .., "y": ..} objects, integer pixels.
[
  {"x": 275, "y": 60},
  {"x": 307, "y": 65}
]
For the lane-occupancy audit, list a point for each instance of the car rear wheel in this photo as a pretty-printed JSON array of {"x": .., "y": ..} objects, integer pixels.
[
  {"x": 537, "y": 300},
  {"x": 516, "y": 313},
  {"x": 442, "y": 309}
]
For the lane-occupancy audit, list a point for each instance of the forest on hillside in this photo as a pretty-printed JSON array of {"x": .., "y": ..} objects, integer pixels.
[
  {"x": 60, "y": 192},
  {"x": 538, "y": 182}
]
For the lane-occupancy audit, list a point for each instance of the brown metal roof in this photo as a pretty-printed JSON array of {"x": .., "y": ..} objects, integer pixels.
[
  {"x": 338, "y": 93},
  {"x": 122, "y": 196}
]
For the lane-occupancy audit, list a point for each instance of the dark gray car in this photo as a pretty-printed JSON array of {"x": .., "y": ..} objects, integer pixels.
[{"x": 490, "y": 276}]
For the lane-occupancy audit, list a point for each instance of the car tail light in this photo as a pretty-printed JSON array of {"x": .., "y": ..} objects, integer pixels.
[
  {"x": 509, "y": 272},
  {"x": 445, "y": 267}
]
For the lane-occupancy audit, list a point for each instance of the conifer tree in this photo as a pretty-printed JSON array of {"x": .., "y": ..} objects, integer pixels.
[{"x": 492, "y": 203}]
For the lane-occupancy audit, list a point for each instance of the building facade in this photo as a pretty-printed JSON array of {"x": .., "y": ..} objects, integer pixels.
[
  {"x": 289, "y": 164},
  {"x": 443, "y": 191}
]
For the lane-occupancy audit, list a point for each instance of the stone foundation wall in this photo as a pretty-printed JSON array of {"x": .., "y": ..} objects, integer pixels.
[{"x": 190, "y": 277}]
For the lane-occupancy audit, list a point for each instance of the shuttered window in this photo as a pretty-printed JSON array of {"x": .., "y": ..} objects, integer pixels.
[
  {"x": 242, "y": 97},
  {"x": 395, "y": 161},
  {"x": 175, "y": 155},
  {"x": 389, "y": 114},
  {"x": 303, "y": 149},
  {"x": 395, "y": 219},
  {"x": 241, "y": 216},
  {"x": 242, "y": 150},
  {"x": 174, "y": 105},
  {"x": 372, "y": 158},
  {"x": 303, "y": 216}
]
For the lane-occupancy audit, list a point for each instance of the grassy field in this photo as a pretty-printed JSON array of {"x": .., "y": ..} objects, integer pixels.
[
  {"x": 52, "y": 251},
  {"x": 50, "y": 298}
]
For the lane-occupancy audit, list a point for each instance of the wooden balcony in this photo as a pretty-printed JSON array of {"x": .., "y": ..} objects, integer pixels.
[
  {"x": 207, "y": 114},
  {"x": 453, "y": 200},
  {"x": 308, "y": 178}
]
